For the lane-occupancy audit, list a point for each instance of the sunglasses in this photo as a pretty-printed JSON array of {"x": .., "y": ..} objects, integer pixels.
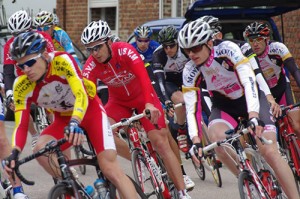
[
  {"x": 95, "y": 48},
  {"x": 43, "y": 28},
  {"x": 256, "y": 40},
  {"x": 143, "y": 40},
  {"x": 165, "y": 46},
  {"x": 194, "y": 49},
  {"x": 29, "y": 62}
]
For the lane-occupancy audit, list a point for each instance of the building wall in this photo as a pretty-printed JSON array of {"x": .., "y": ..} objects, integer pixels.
[
  {"x": 291, "y": 38},
  {"x": 73, "y": 18}
]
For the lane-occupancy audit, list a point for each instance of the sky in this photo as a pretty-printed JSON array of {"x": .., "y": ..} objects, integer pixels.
[{"x": 33, "y": 5}]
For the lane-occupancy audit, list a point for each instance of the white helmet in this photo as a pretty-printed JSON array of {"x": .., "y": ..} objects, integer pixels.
[
  {"x": 44, "y": 18},
  {"x": 95, "y": 31},
  {"x": 19, "y": 22},
  {"x": 55, "y": 19},
  {"x": 194, "y": 33}
]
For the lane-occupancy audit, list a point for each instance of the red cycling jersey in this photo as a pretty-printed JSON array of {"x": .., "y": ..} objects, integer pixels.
[
  {"x": 129, "y": 85},
  {"x": 7, "y": 58}
]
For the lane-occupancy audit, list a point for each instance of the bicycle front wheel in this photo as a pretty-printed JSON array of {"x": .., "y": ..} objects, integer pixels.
[
  {"x": 247, "y": 188},
  {"x": 61, "y": 191},
  {"x": 212, "y": 161},
  {"x": 143, "y": 176}
]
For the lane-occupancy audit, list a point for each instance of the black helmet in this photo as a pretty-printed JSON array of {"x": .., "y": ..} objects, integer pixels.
[
  {"x": 26, "y": 44},
  {"x": 257, "y": 29},
  {"x": 168, "y": 34}
]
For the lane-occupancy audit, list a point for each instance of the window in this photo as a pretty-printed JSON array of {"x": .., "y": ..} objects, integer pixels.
[
  {"x": 107, "y": 14},
  {"x": 106, "y": 10}
]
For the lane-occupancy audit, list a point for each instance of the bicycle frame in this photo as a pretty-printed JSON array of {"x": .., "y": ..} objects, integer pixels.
[
  {"x": 232, "y": 142},
  {"x": 293, "y": 143}
]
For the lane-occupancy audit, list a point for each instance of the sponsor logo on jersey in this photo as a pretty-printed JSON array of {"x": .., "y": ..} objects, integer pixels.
[{"x": 130, "y": 53}]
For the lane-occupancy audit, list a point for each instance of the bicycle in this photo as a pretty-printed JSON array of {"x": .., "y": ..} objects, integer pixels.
[
  {"x": 5, "y": 187},
  {"x": 289, "y": 142},
  {"x": 42, "y": 121},
  {"x": 252, "y": 184},
  {"x": 208, "y": 161},
  {"x": 147, "y": 166},
  {"x": 68, "y": 186}
]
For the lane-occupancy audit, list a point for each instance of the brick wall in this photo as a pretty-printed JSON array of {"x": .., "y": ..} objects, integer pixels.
[
  {"x": 73, "y": 18},
  {"x": 291, "y": 38},
  {"x": 135, "y": 12}
]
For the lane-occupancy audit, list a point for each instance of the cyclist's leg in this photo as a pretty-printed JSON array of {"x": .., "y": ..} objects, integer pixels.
[
  {"x": 271, "y": 154},
  {"x": 102, "y": 140},
  {"x": 115, "y": 113},
  {"x": 219, "y": 123},
  {"x": 159, "y": 140},
  {"x": 53, "y": 131}
]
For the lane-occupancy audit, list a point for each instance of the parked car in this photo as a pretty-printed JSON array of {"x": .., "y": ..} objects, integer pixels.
[{"x": 234, "y": 15}]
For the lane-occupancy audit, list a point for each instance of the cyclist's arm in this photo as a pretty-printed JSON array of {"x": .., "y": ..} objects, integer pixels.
[
  {"x": 22, "y": 92},
  {"x": 247, "y": 79},
  {"x": 67, "y": 44},
  {"x": 158, "y": 70},
  {"x": 293, "y": 69},
  {"x": 138, "y": 68},
  {"x": 77, "y": 87},
  {"x": 9, "y": 78},
  {"x": 192, "y": 100}
]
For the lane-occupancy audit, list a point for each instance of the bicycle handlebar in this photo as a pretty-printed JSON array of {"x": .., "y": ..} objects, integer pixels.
[
  {"x": 127, "y": 121},
  {"x": 50, "y": 146},
  {"x": 285, "y": 108},
  {"x": 233, "y": 137}
]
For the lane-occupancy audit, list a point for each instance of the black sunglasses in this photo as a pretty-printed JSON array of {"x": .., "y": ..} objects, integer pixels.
[
  {"x": 165, "y": 46},
  {"x": 193, "y": 49},
  {"x": 95, "y": 48},
  {"x": 29, "y": 62}
]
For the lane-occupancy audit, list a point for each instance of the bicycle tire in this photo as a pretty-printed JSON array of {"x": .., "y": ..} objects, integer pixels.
[
  {"x": 296, "y": 157},
  {"x": 169, "y": 183},
  {"x": 61, "y": 191},
  {"x": 200, "y": 170},
  {"x": 141, "y": 175},
  {"x": 212, "y": 161},
  {"x": 247, "y": 188},
  {"x": 115, "y": 195},
  {"x": 80, "y": 155}
]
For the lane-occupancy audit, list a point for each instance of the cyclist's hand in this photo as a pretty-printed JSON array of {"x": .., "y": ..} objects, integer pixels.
[
  {"x": 9, "y": 163},
  {"x": 73, "y": 133},
  {"x": 256, "y": 126},
  {"x": 196, "y": 153},
  {"x": 10, "y": 102},
  {"x": 275, "y": 108},
  {"x": 170, "y": 108},
  {"x": 154, "y": 113}
]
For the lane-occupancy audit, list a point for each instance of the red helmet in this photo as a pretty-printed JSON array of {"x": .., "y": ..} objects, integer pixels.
[{"x": 257, "y": 29}]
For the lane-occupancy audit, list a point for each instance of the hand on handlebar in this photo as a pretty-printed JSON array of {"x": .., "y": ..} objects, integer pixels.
[
  {"x": 73, "y": 133},
  {"x": 256, "y": 126},
  {"x": 9, "y": 163},
  {"x": 275, "y": 108},
  {"x": 170, "y": 108},
  {"x": 196, "y": 153},
  {"x": 154, "y": 113}
]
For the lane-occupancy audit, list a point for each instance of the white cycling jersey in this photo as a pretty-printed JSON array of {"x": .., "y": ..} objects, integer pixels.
[{"x": 228, "y": 76}]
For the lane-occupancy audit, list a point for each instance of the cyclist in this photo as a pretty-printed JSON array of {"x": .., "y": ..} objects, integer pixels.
[
  {"x": 45, "y": 21},
  {"x": 144, "y": 44},
  {"x": 273, "y": 56},
  {"x": 120, "y": 67},
  {"x": 230, "y": 78},
  {"x": 246, "y": 49},
  {"x": 168, "y": 63},
  {"x": 54, "y": 82}
]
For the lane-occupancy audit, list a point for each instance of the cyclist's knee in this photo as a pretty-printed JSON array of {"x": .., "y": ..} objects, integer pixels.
[{"x": 177, "y": 97}]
